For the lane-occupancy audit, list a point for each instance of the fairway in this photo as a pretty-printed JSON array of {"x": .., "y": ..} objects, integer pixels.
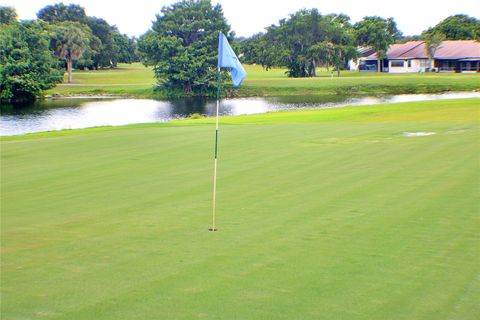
[
  {"x": 138, "y": 81},
  {"x": 325, "y": 214}
]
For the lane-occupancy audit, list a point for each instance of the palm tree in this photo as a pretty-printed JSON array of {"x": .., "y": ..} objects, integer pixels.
[
  {"x": 432, "y": 43},
  {"x": 70, "y": 40}
]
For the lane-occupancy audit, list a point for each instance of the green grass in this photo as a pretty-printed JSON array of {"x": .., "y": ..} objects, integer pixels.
[
  {"x": 137, "y": 80},
  {"x": 327, "y": 214},
  {"x": 128, "y": 79}
]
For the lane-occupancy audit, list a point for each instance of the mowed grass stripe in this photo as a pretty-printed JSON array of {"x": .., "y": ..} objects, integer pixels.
[{"x": 335, "y": 219}]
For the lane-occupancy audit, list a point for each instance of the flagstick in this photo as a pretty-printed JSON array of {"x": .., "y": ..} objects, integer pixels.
[{"x": 216, "y": 152}]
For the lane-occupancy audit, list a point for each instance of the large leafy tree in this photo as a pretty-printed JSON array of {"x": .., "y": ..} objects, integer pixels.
[
  {"x": 182, "y": 45},
  {"x": 303, "y": 42},
  {"x": 126, "y": 48},
  {"x": 70, "y": 40},
  {"x": 295, "y": 39},
  {"x": 251, "y": 48},
  {"x": 105, "y": 42},
  {"x": 27, "y": 66},
  {"x": 60, "y": 12},
  {"x": 106, "y": 54},
  {"x": 340, "y": 40},
  {"x": 457, "y": 27},
  {"x": 378, "y": 33},
  {"x": 7, "y": 15}
]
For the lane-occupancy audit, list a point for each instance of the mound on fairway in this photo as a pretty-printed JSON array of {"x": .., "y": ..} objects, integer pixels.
[{"x": 326, "y": 214}]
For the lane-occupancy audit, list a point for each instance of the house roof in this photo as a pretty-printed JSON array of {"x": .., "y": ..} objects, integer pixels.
[
  {"x": 365, "y": 51},
  {"x": 407, "y": 50},
  {"x": 459, "y": 49}
]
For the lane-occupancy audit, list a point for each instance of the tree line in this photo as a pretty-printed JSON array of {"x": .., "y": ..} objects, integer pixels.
[
  {"x": 307, "y": 40},
  {"x": 35, "y": 54},
  {"x": 181, "y": 45}
]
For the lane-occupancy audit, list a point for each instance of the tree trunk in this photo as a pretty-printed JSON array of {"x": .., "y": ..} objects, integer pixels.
[
  {"x": 187, "y": 87},
  {"x": 379, "y": 67},
  {"x": 69, "y": 70}
]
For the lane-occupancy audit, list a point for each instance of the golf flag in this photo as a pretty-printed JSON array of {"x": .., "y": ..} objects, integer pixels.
[{"x": 228, "y": 59}]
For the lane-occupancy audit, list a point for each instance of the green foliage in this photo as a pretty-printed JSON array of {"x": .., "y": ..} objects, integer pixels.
[
  {"x": 304, "y": 42},
  {"x": 405, "y": 39},
  {"x": 433, "y": 41},
  {"x": 107, "y": 46},
  {"x": 249, "y": 48},
  {"x": 88, "y": 59},
  {"x": 60, "y": 12},
  {"x": 27, "y": 66},
  {"x": 457, "y": 27},
  {"x": 126, "y": 48},
  {"x": 7, "y": 15},
  {"x": 182, "y": 45},
  {"x": 257, "y": 50},
  {"x": 106, "y": 54},
  {"x": 69, "y": 41},
  {"x": 378, "y": 33}
]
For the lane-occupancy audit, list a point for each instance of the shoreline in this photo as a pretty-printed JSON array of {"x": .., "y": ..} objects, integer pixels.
[
  {"x": 273, "y": 93},
  {"x": 85, "y": 96},
  {"x": 208, "y": 120}
]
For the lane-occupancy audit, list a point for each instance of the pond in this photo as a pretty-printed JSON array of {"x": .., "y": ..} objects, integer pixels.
[{"x": 78, "y": 113}]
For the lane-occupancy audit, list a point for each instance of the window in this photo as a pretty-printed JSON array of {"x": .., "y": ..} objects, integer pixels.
[
  {"x": 397, "y": 63},
  {"x": 409, "y": 63}
]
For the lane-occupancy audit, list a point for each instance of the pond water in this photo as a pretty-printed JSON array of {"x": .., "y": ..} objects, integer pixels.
[{"x": 77, "y": 113}]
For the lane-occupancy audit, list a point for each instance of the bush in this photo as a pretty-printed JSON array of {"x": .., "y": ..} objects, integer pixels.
[{"x": 27, "y": 66}]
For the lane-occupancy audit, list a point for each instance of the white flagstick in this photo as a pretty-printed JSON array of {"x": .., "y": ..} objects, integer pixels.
[{"x": 216, "y": 152}]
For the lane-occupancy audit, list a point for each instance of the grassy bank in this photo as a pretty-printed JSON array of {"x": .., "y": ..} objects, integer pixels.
[
  {"x": 329, "y": 214},
  {"x": 136, "y": 80}
]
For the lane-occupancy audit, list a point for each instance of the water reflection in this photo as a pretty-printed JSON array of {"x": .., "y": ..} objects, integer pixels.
[
  {"x": 75, "y": 113},
  {"x": 189, "y": 106}
]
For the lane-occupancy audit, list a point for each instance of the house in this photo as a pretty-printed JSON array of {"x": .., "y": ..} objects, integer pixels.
[
  {"x": 450, "y": 56},
  {"x": 458, "y": 56},
  {"x": 363, "y": 52}
]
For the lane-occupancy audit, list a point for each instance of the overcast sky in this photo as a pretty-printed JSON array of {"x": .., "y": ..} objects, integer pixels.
[{"x": 247, "y": 17}]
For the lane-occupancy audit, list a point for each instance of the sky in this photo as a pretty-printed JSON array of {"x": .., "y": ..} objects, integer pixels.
[{"x": 248, "y": 17}]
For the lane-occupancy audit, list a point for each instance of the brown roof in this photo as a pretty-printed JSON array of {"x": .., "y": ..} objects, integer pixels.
[
  {"x": 408, "y": 49},
  {"x": 458, "y": 49}
]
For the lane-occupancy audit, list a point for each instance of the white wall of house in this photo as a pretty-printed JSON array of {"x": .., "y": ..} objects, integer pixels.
[
  {"x": 405, "y": 66},
  {"x": 353, "y": 65},
  {"x": 397, "y": 66},
  {"x": 419, "y": 65}
]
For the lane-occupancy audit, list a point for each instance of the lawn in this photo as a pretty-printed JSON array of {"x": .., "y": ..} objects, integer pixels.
[
  {"x": 137, "y": 80},
  {"x": 326, "y": 214}
]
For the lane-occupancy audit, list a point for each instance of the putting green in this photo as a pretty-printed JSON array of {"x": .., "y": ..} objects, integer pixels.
[{"x": 327, "y": 214}]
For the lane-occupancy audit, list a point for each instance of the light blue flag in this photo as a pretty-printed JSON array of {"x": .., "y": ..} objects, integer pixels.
[{"x": 228, "y": 59}]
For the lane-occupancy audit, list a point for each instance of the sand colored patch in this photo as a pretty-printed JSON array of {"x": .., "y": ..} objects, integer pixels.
[{"x": 418, "y": 134}]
